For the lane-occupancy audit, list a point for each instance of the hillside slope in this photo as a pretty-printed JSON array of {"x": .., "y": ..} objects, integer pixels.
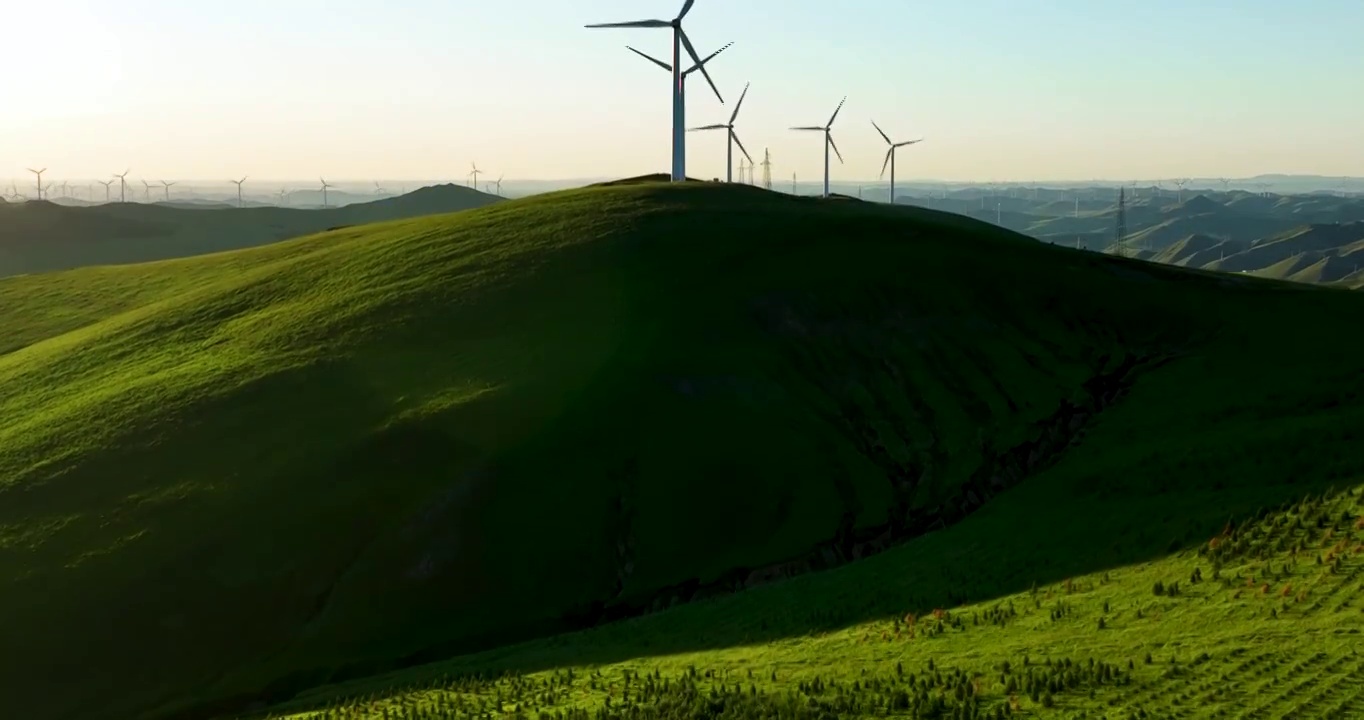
[
  {"x": 43, "y": 236},
  {"x": 332, "y": 456}
]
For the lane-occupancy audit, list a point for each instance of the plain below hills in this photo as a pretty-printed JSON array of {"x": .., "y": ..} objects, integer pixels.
[
  {"x": 229, "y": 478},
  {"x": 40, "y": 237}
]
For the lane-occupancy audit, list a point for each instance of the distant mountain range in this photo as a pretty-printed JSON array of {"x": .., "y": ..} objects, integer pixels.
[
  {"x": 41, "y": 236},
  {"x": 1315, "y": 237}
]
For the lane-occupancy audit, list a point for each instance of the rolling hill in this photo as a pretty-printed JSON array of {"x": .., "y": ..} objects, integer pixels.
[
  {"x": 228, "y": 479},
  {"x": 42, "y": 236}
]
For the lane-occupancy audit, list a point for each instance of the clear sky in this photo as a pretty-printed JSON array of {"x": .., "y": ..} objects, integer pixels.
[{"x": 1000, "y": 89}]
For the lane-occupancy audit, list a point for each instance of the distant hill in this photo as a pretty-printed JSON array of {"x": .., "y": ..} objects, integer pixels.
[{"x": 41, "y": 236}]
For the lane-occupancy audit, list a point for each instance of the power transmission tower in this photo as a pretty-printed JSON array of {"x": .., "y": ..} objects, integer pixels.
[
  {"x": 767, "y": 169},
  {"x": 1121, "y": 233}
]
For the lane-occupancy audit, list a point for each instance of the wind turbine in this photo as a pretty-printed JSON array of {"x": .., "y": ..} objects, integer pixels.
[
  {"x": 324, "y": 193},
  {"x": 890, "y": 157},
  {"x": 681, "y": 110},
  {"x": 379, "y": 190},
  {"x": 474, "y": 174},
  {"x": 1225, "y": 182},
  {"x": 283, "y": 196},
  {"x": 498, "y": 184},
  {"x": 106, "y": 184},
  {"x": 238, "y": 183},
  {"x": 733, "y": 137},
  {"x": 680, "y": 41},
  {"x": 167, "y": 186},
  {"x": 123, "y": 186},
  {"x": 828, "y": 142},
  {"x": 39, "y": 173},
  {"x": 146, "y": 191}
]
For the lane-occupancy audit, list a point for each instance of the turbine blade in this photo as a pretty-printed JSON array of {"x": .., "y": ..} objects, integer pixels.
[
  {"x": 735, "y": 137},
  {"x": 634, "y": 24},
  {"x": 834, "y": 145},
  {"x": 883, "y": 132},
  {"x": 910, "y": 142},
  {"x": 809, "y": 127},
  {"x": 653, "y": 60},
  {"x": 739, "y": 104},
  {"x": 886, "y": 163},
  {"x": 686, "y": 8},
  {"x": 840, "y": 107},
  {"x": 710, "y": 127},
  {"x": 706, "y": 59},
  {"x": 692, "y": 52}
]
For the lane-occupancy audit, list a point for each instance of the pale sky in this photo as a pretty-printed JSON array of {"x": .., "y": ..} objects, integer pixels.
[{"x": 999, "y": 89}]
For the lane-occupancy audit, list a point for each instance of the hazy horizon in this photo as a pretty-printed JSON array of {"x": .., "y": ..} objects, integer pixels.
[{"x": 1001, "y": 93}]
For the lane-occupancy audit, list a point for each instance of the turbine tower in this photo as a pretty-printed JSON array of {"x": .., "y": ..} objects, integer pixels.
[
  {"x": 1179, "y": 185},
  {"x": 238, "y": 183},
  {"x": 39, "y": 173},
  {"x": 890, "y": 157},
  {"x": 733, "y": 138},
  {"x": 828, "y": 142},
  {"x": 767, "y": 169},
  {"x": 680, "y": 41},
  {"x": 683, "y": 92},
  {"x": 474, "y": 174},
  {"x": 123, "y": 186},
  {"x": 106, "y": 184},
  {"x": 498, "y": 184},
  {"x": 167, "y": 186},
  {"x": 324, "y": 193},
  {"x": 146, "y": 191}
]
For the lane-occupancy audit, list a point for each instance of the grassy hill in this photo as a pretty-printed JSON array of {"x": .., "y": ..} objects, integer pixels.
[
  {"x": 227, "y": 479},
  {"x": 43, "y": 236}
]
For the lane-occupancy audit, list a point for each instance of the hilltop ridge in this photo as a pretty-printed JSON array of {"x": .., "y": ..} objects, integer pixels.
[{"x": 41, "y": 236}]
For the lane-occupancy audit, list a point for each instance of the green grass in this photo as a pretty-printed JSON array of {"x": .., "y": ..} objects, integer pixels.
[
  {"x": 234, "y": 477},
  {"x": 1262, "y": 619}
]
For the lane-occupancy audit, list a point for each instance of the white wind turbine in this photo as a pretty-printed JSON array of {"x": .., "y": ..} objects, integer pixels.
[
  {"x": 39, "y": 173},
  {"x": 106, "y": 184},
  {"x": 283, "y": 197},
  {"x": 146, "y": 191},
  {"x": 474, "y": 174},
  {"x": 733, "y": 137},
  {"x": 379, "y": 190},
  {"x": 682, "y": 91},
  {"x": 890, "y": 157},
  {"x": 324, "y": 193},
  {"x": 828, "y": 142},
  {"x": 167, "y": 186},
  {"x": 123, "y": 186},
  {"x": 238, "y": 183},
  {"x": 680, "y": 41},
  {"x": 498, "y": 184}
]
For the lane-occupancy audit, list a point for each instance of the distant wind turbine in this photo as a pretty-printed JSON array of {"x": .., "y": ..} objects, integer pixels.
[
  {"x": 498, "y": 184},
  {"x": 106, "y": 184},
  {"x": 474, "y": 174},
  {"x": 167, "y": 186},
  {"x": 123, "y": 186},
  {"x": 828, "y": 142},
  {"x": 680, "y": 41},
  {"x": 283, "y": 197},
  {"x": 146, "y": 191},
  {"x": 379, "y": 190},
  {"x": 890, "y": 157},
  {"x": 39, "y": 173},
  {"x": 324, "y": 193},
  {"x": 1225, "y": 182},
  {"x": 733, "y": 137},
  {"x": 238, "y": 183}
]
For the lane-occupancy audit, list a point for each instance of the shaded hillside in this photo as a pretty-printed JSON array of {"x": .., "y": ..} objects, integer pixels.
[
  {"x": 42, "y": 236},
  {"x": 351, "y": 451}
]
